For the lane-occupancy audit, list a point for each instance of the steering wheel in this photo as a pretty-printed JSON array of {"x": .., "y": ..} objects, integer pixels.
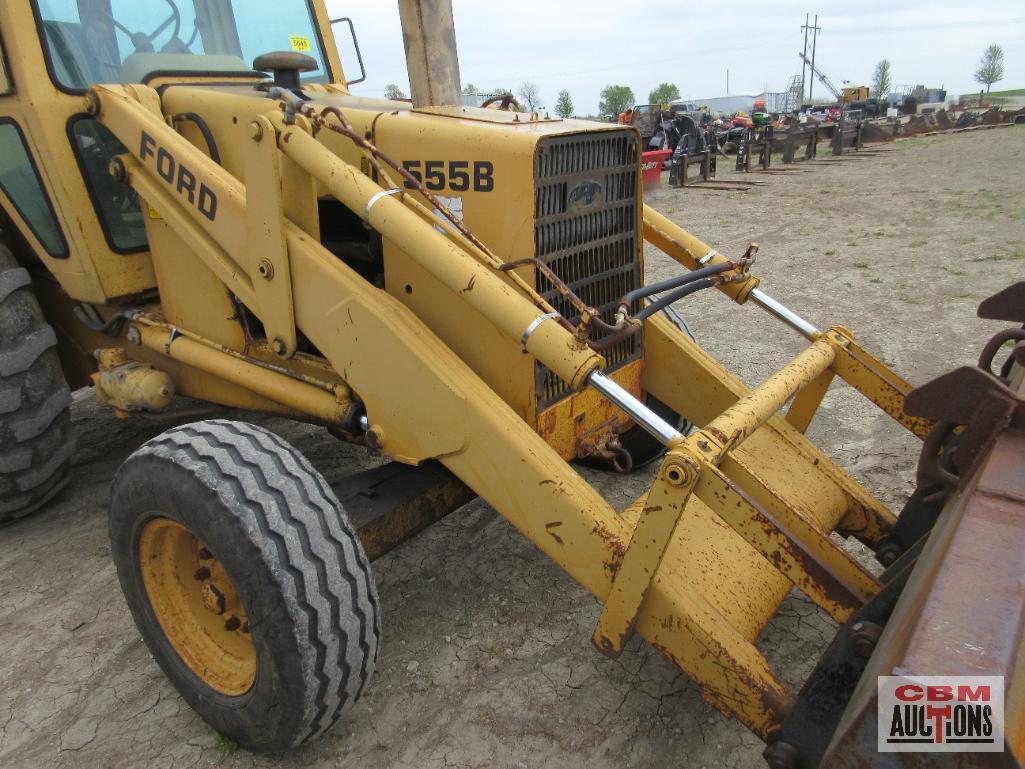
[
  {"x": 504, "y": 101},
  {"x": 144, "y": 42}
]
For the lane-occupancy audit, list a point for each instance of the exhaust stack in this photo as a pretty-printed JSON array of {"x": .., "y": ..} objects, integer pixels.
[{"x": 429, "y": 37}]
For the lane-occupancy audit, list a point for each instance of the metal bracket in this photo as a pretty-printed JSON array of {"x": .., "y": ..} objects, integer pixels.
[
  {"x": 373, "y": 202},
  {"x": 967, "y": 396},
  {"x": 663, "y": 507},
  {"x": 269, "y": 266},
  {"x": 534, "y": 325}
]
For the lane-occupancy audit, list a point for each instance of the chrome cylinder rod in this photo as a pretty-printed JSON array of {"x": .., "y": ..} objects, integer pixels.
[
  {"x": 648, "y": 420},
  {"x": 784, "y": 313}
]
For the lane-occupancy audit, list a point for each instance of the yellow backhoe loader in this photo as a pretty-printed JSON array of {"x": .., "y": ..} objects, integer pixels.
[{"x": 195, "y": 204}]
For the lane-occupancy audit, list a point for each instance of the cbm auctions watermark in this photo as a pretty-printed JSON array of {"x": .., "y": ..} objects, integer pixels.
[{"x": 941, "y": 714}]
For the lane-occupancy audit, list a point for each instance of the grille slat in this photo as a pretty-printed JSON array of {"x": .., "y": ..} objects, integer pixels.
[{"x": 594, "y": 250}]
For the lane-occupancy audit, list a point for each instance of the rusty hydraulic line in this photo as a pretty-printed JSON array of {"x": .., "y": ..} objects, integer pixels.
[
  {"x": 560, "y": 285},
  {"x": 376, "y": 156},
  {"x": 450, "y": 262}
]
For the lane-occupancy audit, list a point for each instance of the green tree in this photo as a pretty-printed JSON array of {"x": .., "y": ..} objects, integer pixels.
[
  {"x": 392, "y": 91},
  {"x": 531, "y": 95},
  {"x": 664, "y": 94},
  {"x": 615, "y": 99},
  {"x": 564, "y": 104},
  {"x": 882, "y": 83},
  {"x": 991, "y": 66},
  {"x": 470, "y": 90}
]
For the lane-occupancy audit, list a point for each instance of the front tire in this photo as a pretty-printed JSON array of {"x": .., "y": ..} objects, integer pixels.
[{"x": 246, "y": 580}]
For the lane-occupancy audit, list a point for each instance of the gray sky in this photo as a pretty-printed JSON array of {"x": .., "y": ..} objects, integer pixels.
[{"x": 583, "y": 46}]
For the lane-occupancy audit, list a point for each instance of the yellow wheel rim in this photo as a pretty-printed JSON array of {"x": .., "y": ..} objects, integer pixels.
[{"x": 197, "y": 606}]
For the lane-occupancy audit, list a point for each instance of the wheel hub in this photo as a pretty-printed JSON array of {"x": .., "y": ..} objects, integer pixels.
[{"x": 197, "y": 606}]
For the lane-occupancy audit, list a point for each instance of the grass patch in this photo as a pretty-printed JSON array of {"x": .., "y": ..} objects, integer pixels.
[
  {"x": 904, "y": 297},
  {"x": 917, "y": 243},
  {"x": 875, "y": 280},
  {"x": 225, "y": 747},
  {"x": 861, "y": 265},
  {"x": 1018, "y": 253},
  {"x": 959, "y": 273},
  {"x": 966, "y": 295},
  {"x": 830, "y": 252},
  {"x": 102, "y": 551}
]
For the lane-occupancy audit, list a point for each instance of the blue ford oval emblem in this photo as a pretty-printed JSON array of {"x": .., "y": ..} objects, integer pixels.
[{"x": 585, "y": 195}]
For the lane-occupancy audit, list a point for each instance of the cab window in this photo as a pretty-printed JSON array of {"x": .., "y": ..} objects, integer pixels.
[
  {"x": 19, "y": 181},
  {"x": 125, "y": 41}
]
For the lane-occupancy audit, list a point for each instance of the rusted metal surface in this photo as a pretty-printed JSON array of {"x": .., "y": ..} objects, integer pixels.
[
  {"x": 570, "y": 422},
  {"x": 968, "y": 396},
  {"x": 875, "y": 381},
  {"x": 962, "y": 612},
  {"x": 394, "y": 502},
  {"x": 794, "y": 546},
  {"x": 665, "y": 503}
]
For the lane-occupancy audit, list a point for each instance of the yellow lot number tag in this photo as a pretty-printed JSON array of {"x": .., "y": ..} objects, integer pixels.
[{"x": 301, "y": 44}]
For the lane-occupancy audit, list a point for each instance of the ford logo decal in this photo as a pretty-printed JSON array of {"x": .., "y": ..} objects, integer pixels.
[{"x": 585, "y": 196}]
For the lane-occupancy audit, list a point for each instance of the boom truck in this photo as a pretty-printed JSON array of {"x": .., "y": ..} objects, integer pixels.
[{"x": 194, "y": 203}]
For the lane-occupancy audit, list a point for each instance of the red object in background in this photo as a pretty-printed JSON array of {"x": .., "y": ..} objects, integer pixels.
[{"x": 651, "y": 165}]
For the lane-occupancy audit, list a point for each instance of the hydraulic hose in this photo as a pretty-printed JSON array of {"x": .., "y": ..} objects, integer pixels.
[
  {"x": 670, "y": 283},
  {"x": 674, "y": 296}
]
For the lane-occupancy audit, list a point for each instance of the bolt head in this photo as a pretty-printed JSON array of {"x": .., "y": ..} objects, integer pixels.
[
  {"x": 266, "y": 269},
  {"x": 278, "y": 347},
  {"x": 255, "y": 131},
  {"x": 116, "y": 168}
]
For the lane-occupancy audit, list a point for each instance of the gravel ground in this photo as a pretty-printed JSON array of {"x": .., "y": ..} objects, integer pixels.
[{"x": 487, "y": 659}]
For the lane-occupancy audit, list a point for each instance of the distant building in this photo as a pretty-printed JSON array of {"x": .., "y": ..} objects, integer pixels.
[{"x": 725, "y": 104}]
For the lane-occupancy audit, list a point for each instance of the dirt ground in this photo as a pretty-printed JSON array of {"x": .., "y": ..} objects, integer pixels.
[{"x": 487, "y": 659}]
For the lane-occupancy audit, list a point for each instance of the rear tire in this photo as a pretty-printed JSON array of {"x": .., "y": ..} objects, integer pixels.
[
  {"x": 36, "y": 443},
  {"x": 260, "y": 516}
]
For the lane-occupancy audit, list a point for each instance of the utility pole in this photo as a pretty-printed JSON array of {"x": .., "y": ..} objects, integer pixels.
[
  {"x": 804, "y": 65},
  {"x": 814, "y": 39},
  {"x": 814, "y": 29}
]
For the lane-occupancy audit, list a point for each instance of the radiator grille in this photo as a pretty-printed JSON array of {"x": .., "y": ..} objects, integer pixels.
[{"x": 587, "y": 230}]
